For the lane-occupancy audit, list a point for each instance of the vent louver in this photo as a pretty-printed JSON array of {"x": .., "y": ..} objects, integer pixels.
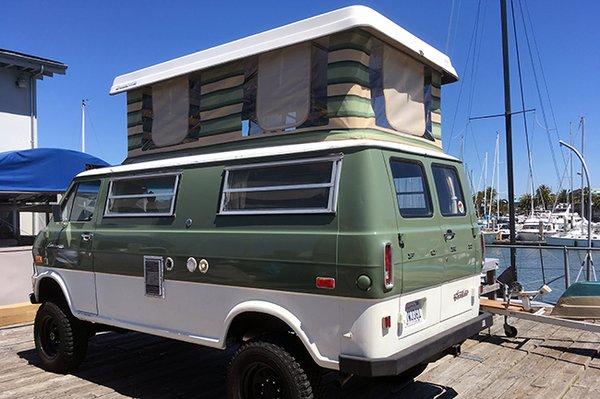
[{"x": 153, "y": 275}]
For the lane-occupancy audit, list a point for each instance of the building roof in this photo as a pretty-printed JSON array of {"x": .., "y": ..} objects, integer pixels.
[
  {"x": 30, "y": 63},
  {"x": 297, "y": 32},
  {"x": 262, "y": 152}
]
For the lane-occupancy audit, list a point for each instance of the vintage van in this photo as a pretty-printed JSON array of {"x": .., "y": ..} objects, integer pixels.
[{"x": 285, "y": 194}]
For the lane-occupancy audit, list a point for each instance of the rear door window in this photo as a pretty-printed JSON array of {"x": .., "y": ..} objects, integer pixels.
[
  {"x": 449, "y": 191},
  {"x": 411, "y": 189}
]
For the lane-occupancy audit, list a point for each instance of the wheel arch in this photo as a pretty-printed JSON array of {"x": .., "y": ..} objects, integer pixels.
[
  {"x": 272, "y": 313},
  {"x": 48, "y": 285}
]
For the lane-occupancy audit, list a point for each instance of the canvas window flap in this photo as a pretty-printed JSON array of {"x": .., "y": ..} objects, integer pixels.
[
  {"x": 283, "y": 94},
  {"x": 170, "y": 106},
  {"x": 403, "y": 87}
]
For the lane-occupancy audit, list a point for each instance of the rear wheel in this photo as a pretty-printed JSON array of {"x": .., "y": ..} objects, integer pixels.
[
  {"x": 262, "y": 369},
  {"x": 60, "y": 339}
]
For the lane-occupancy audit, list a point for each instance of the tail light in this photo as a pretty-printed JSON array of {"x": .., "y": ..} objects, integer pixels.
[{"x": 388, "y": 266}]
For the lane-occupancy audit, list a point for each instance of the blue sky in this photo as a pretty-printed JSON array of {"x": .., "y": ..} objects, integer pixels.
[{"x": 100, "y": 40}]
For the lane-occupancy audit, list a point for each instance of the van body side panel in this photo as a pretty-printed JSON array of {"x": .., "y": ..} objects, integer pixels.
[
  {"x": 280, "y": 252},
  {"x": 366, "y": 223}
]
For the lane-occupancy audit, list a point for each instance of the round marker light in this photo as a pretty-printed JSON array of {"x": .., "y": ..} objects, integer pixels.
[{"x": 191, "y": 264}]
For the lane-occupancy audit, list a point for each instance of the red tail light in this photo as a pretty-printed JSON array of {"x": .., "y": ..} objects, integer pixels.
[
  {"x": 388, "y": 266},
  {"x": 327, "y": 283}
]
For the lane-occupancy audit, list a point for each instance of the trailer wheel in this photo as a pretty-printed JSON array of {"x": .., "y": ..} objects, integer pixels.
[
  {"x": 261, "y": 369},
  {"x": 510, "y": 331},
  {"x": 60, "y": 339}
]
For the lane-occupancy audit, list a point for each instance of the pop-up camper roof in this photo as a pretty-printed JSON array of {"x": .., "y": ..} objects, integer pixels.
[
  {"x": 297, "y": 32},
  {"x": 346, "y": 74}
]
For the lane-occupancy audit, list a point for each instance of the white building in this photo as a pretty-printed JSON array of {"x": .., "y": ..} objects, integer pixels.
[{"x": 19, "y": 74}]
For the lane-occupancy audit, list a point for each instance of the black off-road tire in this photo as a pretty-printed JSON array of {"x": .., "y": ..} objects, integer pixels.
[
  {"x": 60, "y": 339},
  {"x": 263, "y": 369}
]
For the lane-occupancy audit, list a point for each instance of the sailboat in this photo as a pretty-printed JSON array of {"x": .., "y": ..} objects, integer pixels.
[{"x": 493, "y": 232}]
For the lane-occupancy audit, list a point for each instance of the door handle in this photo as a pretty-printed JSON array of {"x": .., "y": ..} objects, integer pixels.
[
  {"x": 449, "y": 235},
  {"x": 86, "y": 236},
  {"x": 55, "y": 246}
]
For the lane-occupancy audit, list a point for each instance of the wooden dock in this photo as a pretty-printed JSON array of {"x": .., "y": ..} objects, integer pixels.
[{"x": 541, "y": 362}]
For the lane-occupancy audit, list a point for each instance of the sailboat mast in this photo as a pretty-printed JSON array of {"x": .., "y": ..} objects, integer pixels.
[
  {"x": 83, "y": 104},
  {"x": 497, "y": 177},
  {"x": 508, "y": 127},
  {"x": 485, "y": 186},
  {"x": 571, "y": 204},
  {"x": 582, "y": 177}
]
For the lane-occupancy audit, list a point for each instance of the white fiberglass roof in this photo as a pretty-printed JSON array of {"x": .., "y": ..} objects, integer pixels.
[
  {"x": 252, "y": 153},
  {"x": 307, "y": 29}
]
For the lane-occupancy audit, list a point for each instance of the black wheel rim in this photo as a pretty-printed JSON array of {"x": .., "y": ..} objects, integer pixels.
[
  {"x": 50, "y": 337},
  {"x": 262, "y": 381}
]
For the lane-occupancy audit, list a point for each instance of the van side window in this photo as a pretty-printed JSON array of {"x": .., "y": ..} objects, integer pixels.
[
  {"x": 303, "y": 186},
  {"x": 411, "y": 189},
  {"x": 66, "y": 205},
  {"x": 449, "y": 191},
  {"x": 142, "y": 196},
  {"x": 84, "y": 201}
]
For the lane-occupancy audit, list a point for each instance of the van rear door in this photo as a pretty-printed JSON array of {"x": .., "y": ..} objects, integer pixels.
[{"x": 461, "y": 258}]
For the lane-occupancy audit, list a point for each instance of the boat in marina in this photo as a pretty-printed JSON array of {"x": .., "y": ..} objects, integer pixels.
[
  {"x": 536, "y": 229},
  {"x": 580, "y": 301},
  {"x": 574, "y": 238}
]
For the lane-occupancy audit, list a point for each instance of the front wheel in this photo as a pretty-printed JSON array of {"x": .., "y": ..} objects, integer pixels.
[
  {"x": 261, "y": 369},
  {"x": 60, "y": 339}
]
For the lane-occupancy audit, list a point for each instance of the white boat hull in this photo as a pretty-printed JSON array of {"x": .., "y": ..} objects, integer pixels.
[{"x": 571, "y": 241}]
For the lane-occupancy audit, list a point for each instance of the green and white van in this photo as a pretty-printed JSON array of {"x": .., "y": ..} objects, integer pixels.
[{"x": 285, "y": 194}]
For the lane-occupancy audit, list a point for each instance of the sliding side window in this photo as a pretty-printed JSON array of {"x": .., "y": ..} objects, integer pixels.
[
  {"x": 300, "y": 186},
  {"x": 142, "y": 196},
  {"x": 411, "y": 189}
]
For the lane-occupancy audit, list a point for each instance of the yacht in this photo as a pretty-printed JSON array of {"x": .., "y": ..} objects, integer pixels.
[
  {"x": 575, "y": 237},
  {"x": 536, "y": 229}
]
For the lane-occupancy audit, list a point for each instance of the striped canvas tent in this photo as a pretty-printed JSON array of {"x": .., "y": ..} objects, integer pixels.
[{"x": 365, "y": 77}]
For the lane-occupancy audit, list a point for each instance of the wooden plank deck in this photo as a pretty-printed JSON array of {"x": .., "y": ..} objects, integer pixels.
[{"x": 542, "y": 361}]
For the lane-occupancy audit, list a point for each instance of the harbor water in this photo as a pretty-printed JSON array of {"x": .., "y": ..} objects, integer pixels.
[{"x": 539, "y": 265}]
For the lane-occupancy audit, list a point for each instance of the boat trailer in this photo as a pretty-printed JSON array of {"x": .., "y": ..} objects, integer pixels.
[
  {"x": 576, "y": 312},
  {"x": 524, "y": 307}
]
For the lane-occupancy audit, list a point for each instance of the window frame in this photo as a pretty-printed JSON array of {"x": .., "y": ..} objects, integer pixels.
[
  {"x": 109, "y": 196},
  {"x": 426, "y": 187},
  {"x": 75, "y": 191},
  {"x": 462, "y": 193},
  {"x": 333, "y": 185}
]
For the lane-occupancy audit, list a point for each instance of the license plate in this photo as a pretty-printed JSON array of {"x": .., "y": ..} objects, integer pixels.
[{"x": 414, "y": 313}]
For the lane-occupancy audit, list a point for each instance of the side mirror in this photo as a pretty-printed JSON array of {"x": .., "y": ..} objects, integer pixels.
[{"x": 56, "y": 213}]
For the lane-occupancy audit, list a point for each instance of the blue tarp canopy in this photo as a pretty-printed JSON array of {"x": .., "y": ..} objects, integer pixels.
[{"x": 42, "y": 170}]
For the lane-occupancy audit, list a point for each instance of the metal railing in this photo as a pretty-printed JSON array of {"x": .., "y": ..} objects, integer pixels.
[{"x": 539, "y": 264}]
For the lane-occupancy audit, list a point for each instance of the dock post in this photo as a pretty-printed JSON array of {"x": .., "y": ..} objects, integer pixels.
[
  {"x": 542, "y": 264},
  {"x": 566, "y": 266}
]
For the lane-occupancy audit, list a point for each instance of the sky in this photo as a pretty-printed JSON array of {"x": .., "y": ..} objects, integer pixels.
[{"x": 100, "y": 40}]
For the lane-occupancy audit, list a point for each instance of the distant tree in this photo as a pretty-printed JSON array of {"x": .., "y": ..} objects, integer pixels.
[
  {"x": 490, "y": 195},
  {"x": 524, "y": 205},
  {"x": 563, "y": 196},
  {"x": 544, "y": 197}
]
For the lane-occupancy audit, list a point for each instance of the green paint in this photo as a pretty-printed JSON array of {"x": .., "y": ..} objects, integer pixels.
[{"x": 283, "y": 252}]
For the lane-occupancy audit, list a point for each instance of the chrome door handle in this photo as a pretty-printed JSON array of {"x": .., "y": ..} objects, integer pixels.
[
  {"x": 55, "y": 246},
  {"x": 449, "y": 235},
  {"x": 86, "y": 236}
]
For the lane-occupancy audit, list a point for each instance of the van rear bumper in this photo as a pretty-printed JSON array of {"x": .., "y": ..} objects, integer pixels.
[{"x": 416, "y": 354}]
